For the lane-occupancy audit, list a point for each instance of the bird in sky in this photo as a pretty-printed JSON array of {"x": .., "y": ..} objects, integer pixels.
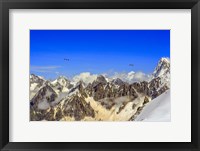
[
  {"x": 66, "y": 59},
  {"x": 131, "y": 65}
]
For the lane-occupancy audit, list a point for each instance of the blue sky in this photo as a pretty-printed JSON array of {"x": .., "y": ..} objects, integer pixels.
[{"x": 96, "y": 51}]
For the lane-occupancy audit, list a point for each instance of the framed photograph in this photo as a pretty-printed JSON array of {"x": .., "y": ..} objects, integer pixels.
[{"x": 82, "y": 75}]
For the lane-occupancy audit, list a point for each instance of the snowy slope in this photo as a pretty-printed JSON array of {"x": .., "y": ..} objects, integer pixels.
[{"x": 157, "y": 110}]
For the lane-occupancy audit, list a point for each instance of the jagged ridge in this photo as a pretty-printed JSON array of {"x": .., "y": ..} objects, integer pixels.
[{"x": 74, "y": 105}]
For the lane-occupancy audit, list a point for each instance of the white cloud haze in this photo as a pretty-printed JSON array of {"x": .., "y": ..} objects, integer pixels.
[
  {"x": 44, "y": 68},
  {"x": 87, "y": 77},
  {"x": 129, "y": 77}
]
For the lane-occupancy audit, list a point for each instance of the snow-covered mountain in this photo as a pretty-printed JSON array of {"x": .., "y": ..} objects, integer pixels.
[
  {"x": 163, "y": 71},
  {"x": 61, "y": 84},
  {"x": 99, "y": 99},
  {"x": 36, "y": 83},
  {"x": 163, "y": 68},
  {"x": 161, "y": 78},
  {"x": 158, "y": 110}
]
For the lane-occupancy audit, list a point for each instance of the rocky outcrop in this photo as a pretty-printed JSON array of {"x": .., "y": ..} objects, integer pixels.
[{"x": 78, "y": 108}]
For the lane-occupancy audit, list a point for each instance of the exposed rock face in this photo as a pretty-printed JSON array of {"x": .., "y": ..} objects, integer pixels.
[
  {"x": 141, "y": 87},
  {"x": 36, "y": 79},
  {"x": 41, "y": 102},
  {"x": 161, "y": 81},
  {"x": 36, "y": 83},
  {"x": 117, "y": 82},
  {"x": 109, "y": 91},
  {"x": 163, "y": 68},
  {"x": 100, "y": 79},
  {"x": 78, "y": 108},
  {"x": 45, "y": 93},
  {"x": 47, "y": 103}
]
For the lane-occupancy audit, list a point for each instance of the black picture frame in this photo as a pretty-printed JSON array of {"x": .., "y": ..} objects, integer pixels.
[{"x": 5, "y": 5}]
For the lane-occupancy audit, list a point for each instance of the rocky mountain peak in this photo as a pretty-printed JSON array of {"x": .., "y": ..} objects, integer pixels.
[
  {"x": 62, "y": 78},
  {"x": 162, "y": 68},
  {"x": 46, "y": 89},
  {"x": 101, "y": 79},
  {"x": 78, "y": 89},
  {"x": 62, "y": 84},
  {"x": 62, "y": 81},
  {"x": 80, "y": 85},
  {"x": 117, "y": 81},
  {"x": 78, "y": 108},
  {"x": 44, "y": 97},
  {"x": 36, "y": 79}
]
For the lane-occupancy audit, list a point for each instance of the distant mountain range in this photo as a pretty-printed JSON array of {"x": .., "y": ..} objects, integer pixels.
[{"x": 99, "y": 100}]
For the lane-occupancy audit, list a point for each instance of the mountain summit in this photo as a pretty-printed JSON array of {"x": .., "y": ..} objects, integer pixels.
[{"x": 162, "y": 68}]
